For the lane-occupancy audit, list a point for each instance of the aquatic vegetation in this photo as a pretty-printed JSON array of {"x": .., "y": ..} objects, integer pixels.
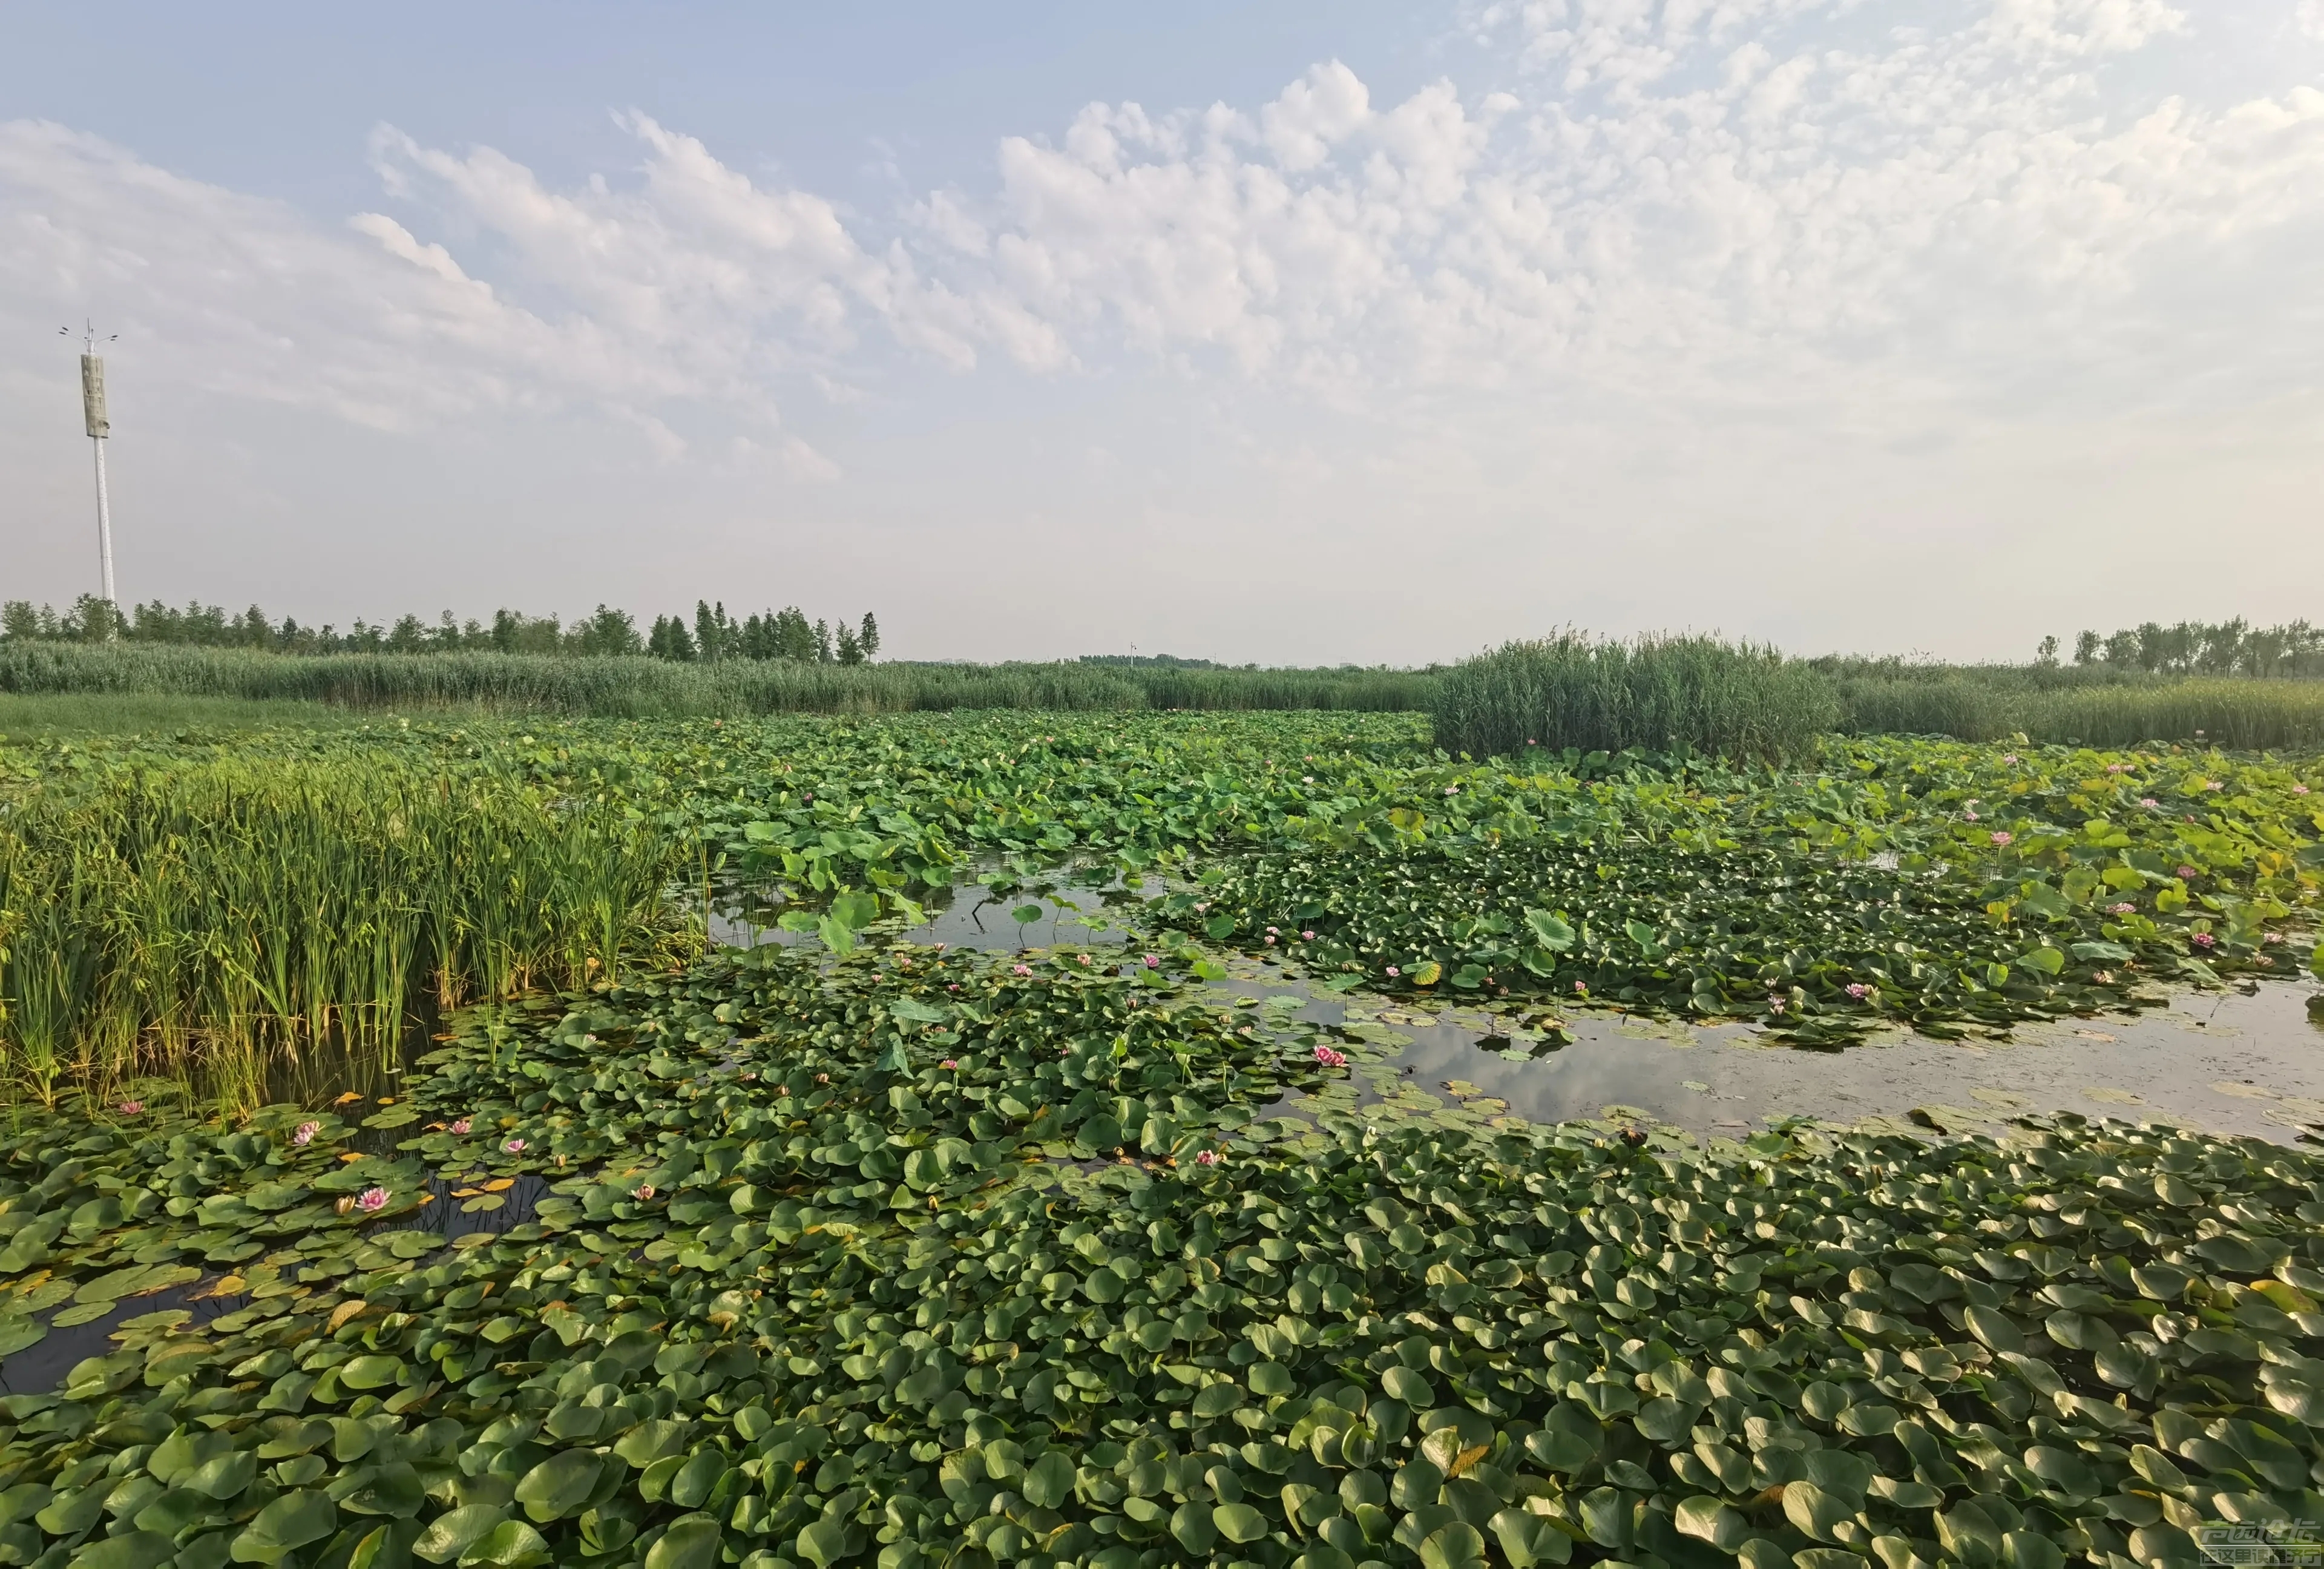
[
  {"x": 1661, "y": 694},
  {"x": 1680, "y": 884},
  {"x": 840, "y": 1267},
  {"x": 1822, "y": 904},
  {"x": 222, "y": 917}
]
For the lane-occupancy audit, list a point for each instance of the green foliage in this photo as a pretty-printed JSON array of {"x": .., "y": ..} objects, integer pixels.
[
  {"x": 2248, "y": 716},
  {"x": 789, "y": 1300},
  {"x": 1924, "y": 882},
  {"x": 1670, "y": 694}
]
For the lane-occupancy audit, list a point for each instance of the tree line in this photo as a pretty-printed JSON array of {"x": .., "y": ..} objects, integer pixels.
[
  {"x": 2196, "y": 648},
  {"x": 712, "y": 634}
]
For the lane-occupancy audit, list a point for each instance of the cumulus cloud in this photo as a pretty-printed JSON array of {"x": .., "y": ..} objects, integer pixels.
[{"x": 1753, "y": 203}]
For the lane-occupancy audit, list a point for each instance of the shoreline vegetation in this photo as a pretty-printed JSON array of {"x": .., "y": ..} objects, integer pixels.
[{"x": 1656, "y": 693}]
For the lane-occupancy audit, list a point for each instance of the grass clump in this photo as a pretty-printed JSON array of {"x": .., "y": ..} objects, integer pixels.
[
  {"x": 217, "y": 919},
  {"x": 1670, "y": 694}
]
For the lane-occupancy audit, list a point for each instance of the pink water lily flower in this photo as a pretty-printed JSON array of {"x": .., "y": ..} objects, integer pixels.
[
  {"x": 1307, "y": 937},
  {"x": 2187, "y": 872},
  {"x": 2204, "y": 940},
  {"x": 1327, "y": 1057},
  {"x": 1859, "y": 990},
  {"x": 130, "y": 1108},
  {"x": 2002, "y": 838},
  {"x": 304, "y": 1132},
  {"x": 2121, "y": 908},
  {"x": 514, "y": 1147},
  {"x": 2009, "y": 757},
  {"x": 1270, "y": 942},
  {"x": 1775, "y": 1004},
  {"x": 2299, "y": 789},
  {"x": 2212, "y": 784},
  {"x": 461, "y": 1126},
  {"x": 1394, "y": 971},
  {"x": 643, "y": 1193},
  {"x": 2150, "y": 803},
  {"x": 1207, "y": 1158},
  {"x": 1082, "y": 958},
  {"x": 949, "y": 1063},
  {"x": 1274, "y": 931},
  {"x": 371, "y": 1199},
  {"x": 1153, "y": 961},
  {"x": 1020, "y": 969}
]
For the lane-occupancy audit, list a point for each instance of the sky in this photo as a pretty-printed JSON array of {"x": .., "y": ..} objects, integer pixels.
[{"x": 1299, "y": 334}]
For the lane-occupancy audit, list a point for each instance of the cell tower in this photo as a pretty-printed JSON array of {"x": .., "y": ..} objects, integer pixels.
[{"x": 92, "y": 409}]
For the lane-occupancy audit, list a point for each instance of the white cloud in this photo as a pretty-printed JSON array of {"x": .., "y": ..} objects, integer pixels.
[{"x": 1748, "y": 206}]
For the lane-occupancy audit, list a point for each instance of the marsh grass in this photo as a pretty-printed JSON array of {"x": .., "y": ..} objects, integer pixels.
[
  {"x": 649, "y": 688},
  {"x": 216, "y": 920},
  {"x": 39, "y": 716},
  {"x": 1662, "y": 694},
  {"x": 2247, "y": 716}
]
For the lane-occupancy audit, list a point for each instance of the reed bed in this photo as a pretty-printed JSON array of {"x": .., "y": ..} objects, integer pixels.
[
  {"x": 649, "y": 688},
  {"x": 215, "y": 920},
  {"x": 1662, "y": 694},
  {"x": 2247, "y": 716}
]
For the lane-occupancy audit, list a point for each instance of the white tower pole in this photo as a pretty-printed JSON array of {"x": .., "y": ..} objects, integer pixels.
[
  {"x": 93, "y": 416},
  {"x": 104, "y": 521}
]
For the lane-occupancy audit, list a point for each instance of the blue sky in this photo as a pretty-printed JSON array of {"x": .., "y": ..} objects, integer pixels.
[{"x": 1295, "y": 333}]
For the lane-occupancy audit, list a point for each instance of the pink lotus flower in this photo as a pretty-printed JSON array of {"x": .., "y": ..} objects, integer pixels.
[
  {"x": 371, "y": 1199},
  {"x": 1153, "y": 961},
  {"x": 643, "y": 1193},
  {"x": 2150, "y": 803},
  {"x": 2001, "y": 837},
  {"x": 2121, "y": 908},
  {"x": 1971, "y": 816},
  {"x": 1451, "y": 789},
  {"x": 1775, "y": 1004},
  {"x": 130, "y": 1108},
  {"x": 1392, "y": 971},
  {"x": 1082, "y": 958},
  {"x": 2204, "y": 940},
  {"x": 2271, "y": 936},
  {"x": 304, "y": 1132},
  {"x": 1327, "y": 1057},
  {"x": 949, "y": 1063},
  {"x": 1020, "y": 969},
  {"x": 1202, "y": 907},
  {"x": 514, "y": 1147},
  {"x": 2102, "y": 977},
  {"x": 2299, "y": 789},
  {"x": 1270, "y": 942},
  {"x": 942, "y": 946},
  {"x": 2187, "y": 872},
  {"x": 1275, "y": 931},
  {"x": 1859, "y": 990},
  {"x": 1207, "y": 1158},
  {"x": 461, "y": 1126},
  {"x": 2009, "y": 757},
  {"x": 1307, "y": 937},
  {"x": 1583, "y": 990},
  {"x": 955, "y": 986}
]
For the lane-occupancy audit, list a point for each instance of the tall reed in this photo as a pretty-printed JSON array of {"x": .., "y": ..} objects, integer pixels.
[
  {"x": 1664, "y": 694},
  {"x": 217, "y": 919},
  {"x": 644, "y": 688}
]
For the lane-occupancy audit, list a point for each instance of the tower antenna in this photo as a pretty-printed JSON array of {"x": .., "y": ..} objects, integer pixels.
[{"x": 92, "y": 408}]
